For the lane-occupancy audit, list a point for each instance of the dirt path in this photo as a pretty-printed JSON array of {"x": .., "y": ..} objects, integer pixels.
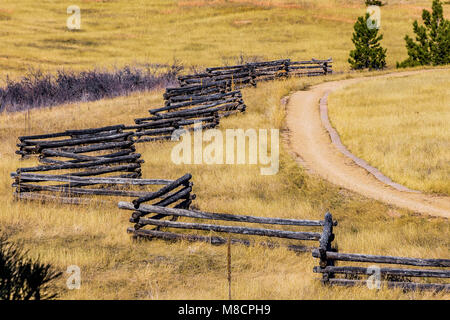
[{"x": 318, "y": 146}]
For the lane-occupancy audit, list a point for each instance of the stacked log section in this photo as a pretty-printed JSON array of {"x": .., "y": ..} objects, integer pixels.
[
  {"x": 250, "y": 73},
  {"x": 188, "y": 107},
  {"x": 380, "y": 272},
  {"x": 196, "y": 229}
]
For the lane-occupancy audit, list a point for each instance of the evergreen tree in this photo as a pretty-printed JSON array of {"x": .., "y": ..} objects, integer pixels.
[
  {"x": 368, "y": 52},
  {"x": 22, "y": 278},
  {"x": 374, "y": 3},
  {"x": 433, "y": 39}
]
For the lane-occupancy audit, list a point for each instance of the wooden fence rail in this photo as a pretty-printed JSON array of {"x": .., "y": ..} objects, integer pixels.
[
  {"x": 72, "y": 187},
  {"x": 391, "y": 277},
  {"x": 186, "y": 110},
  {"x": 141, "y": 210},
  {"x": 251, "y": 73}
]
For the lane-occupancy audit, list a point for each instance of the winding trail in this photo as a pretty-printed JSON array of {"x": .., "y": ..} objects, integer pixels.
[{"x": 319, "y": 149}]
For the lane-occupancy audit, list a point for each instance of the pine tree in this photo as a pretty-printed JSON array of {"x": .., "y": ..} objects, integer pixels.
[
  {"x": 374, "y": 3},
  {"x": 368, "y": 52},
  {"x": 433, "y": 39}
]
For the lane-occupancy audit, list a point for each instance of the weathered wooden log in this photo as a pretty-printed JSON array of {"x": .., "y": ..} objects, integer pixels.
[
  {"x": 219, "y": 216},
  {"x": 65, "y": 154},
  {"x": 199, "y": 111},
  {"x": 99, "y": 147},
  {"x": 44, "y": 136},
  {"x": 393, "y": 285},
  {"x": 247, "y": 65},
  {"x": 193, "y": 101},
  {"x": 73, "y": 142},
  {"x": 142, "y": 122},
  {"x": 30, "y": 196},
  {"x": 184, "y": 180},
  {"x": 153, "y": 139},
  {"x": 214, "y": 118},
  {"x": 98, "y": 134},
  {"x": 214, "y": 240},
  {"x": 384, "y": 259},
  {"x": 312, "y": 61},
  {"x": 199, "y": 91},
  {"x": 233, "y": 229},
  {"x": 213, "y": 95},
  {"x": 95, "y": 130},
  {"x": 325, "y": 240},
  {"x": 193, "y": 88},
  {"x": 182, "y": 194},
  {"x": 385, "y": 271},
  {"x": 106, "y": 180},
  {"x": 228, "y": 102},
  {"x": 123, "y": 159},
  {"x": 123, "y": 152},
  {"x": 152, "y": 132},
  {"x": 132, "y": 167},
  {"x": 80, "y": 191}
]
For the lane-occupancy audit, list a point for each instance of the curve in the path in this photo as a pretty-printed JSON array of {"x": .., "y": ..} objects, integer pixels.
[{"x": 320, "y": 149}]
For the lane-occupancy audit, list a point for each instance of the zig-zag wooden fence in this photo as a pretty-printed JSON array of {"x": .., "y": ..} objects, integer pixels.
[
  {"x": 391, "y": 277},
  {"x": 140, "y": 211},
  {"x": 187, "y": 106},
  {"x": 89, "y": 162},
  {"x": 251, "y": 73}
]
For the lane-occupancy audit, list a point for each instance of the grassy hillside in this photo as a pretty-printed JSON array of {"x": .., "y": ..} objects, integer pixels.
[
  {"x": 115, "y": 267},
  {"x": 200, "y": 32},
  {"x": 399, "y": 126},
  {"x": 203, "y": 33}
]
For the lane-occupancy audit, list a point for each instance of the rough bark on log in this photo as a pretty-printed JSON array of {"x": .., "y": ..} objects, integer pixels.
[
  {"x": 233, "y": 229},
  {"x": 384, "y": 259}
]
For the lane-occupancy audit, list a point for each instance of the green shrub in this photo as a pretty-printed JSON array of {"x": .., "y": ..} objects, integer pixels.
[
  {"x": 368, "y": 52},
  {"x": 374, "y": 3},
  {"x": 432, "y": 45}
]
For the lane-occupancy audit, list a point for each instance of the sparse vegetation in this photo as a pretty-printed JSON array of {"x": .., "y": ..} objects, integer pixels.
[{"x": 41, "y": 90}]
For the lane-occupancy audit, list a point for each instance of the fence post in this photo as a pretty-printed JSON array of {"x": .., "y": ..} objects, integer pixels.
[
  {"x": 325, "y": 245},
  {"x": 286, "y": 67},
  {"x": 325, "y": 68}
]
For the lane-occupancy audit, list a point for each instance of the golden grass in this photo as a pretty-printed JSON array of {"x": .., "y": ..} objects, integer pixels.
[
  {"x": 198, "y": 33},
  {"x": 400, "y": 126},
  {"x": 115, "y": 267},
  {"x": 34, "y": 34}
]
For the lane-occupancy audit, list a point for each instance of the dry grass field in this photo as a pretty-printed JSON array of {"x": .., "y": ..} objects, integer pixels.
[
  {"x": 199, "y": 33},
  {"x": 399, "y": 126},
  {"x": 115, "y": 267}
]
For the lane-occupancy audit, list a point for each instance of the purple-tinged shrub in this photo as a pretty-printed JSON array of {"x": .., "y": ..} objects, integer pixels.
[{"x": 41, "y": 90}]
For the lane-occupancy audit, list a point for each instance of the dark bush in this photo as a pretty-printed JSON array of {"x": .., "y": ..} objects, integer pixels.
[
  {"x": 39, "y": 90},
  {"x": 22, "y": 278}
]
